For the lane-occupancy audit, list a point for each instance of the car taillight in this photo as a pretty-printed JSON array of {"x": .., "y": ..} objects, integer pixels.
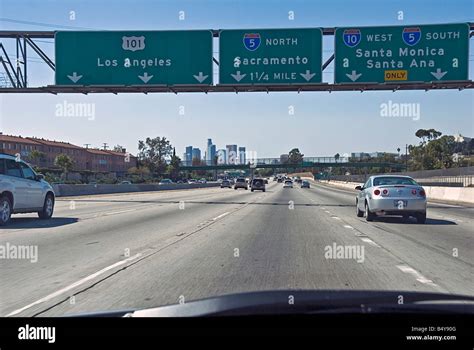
[
  {"x": 413, "y": 192},
  {"x": 377, "y": 192},
  {"x": 422, "y": 193},
  {"x": 385, "y": 192}
]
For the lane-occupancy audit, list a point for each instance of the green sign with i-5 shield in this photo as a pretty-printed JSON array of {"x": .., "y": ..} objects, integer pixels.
[
  {"x": 270, "y": 56},
  {"x": 412, "y": 53},
  {"x": 134, "y": 57}
]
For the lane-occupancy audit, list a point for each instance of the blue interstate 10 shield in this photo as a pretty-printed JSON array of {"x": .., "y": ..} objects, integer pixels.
[
  {"x": 252, "y": 41},
  {"x": 411, "y": 36},
  {"x": 351, "y": 37}
]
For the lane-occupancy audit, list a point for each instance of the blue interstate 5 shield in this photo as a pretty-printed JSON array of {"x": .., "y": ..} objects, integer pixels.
[
  {"x": 252, "y": 41},
  {"x": 411, "y": 36},
  {"x": 351, "y": 37}
]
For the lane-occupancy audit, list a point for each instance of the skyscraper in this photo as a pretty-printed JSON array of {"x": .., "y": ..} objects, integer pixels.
[
  {"x": 242, "y": 159},
  {"x": 196, "y": 154},
  {"x": 232, "y": 156},
  {"x": 189, "y": 155},
  {"x": 210, "y": 152}
]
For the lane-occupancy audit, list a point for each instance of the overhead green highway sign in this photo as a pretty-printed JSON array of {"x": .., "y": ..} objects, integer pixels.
[
  {"x": 270, "y": 56},
  {"x": 414, "y": 53},
  {"x": 133, "y": 57}
]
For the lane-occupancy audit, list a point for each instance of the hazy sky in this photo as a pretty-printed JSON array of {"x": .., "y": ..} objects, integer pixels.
[{"x": 322, "y": 123}]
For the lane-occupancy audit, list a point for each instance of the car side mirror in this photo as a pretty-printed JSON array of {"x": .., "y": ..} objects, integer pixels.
[
  {"x": 39, "y": 177},
  {"x": 358, "y": 188}
]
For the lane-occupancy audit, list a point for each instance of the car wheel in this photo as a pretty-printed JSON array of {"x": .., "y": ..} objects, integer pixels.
[
  {"x": 359, "y": 212},
  {"x": 421, "y": 218},
  {"x": 5, "y": 210},
  {"x": 263, "y": 190},
  {"x": 251, "y": 190},
  {"x": 48, "y": 207},
  {"x": 368, "y": 215}
]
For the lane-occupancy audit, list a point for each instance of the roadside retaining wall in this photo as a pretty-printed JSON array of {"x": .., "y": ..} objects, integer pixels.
[{"x": 444, "y": 194}]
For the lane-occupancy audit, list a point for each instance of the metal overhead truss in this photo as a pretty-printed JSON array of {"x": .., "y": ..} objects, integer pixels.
[{"x": 16, "y": 71}]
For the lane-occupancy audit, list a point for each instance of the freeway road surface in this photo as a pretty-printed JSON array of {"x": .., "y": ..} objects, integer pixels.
[{"x": 143, "y": 250}]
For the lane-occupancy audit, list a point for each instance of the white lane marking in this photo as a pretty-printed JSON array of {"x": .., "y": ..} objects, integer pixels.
[
  {"x": 349, "y": 226},
  {"x": 220, "y": 216},
  {"x": 75, "y": 284},
  {"x": 327, "y": 211},
  {"x": 419, "y": 277},
  {"x": 114, "y": 213},
  {"x": 371, "y": 242},
  {"x": 445, "y": 205},
  {"x": 335, "y": 217}
]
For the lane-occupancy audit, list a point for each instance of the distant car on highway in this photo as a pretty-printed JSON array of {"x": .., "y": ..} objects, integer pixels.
[
  {"x": 226, "y": 184},
  {"x": 391, "y": 195},
  {"x": 126, "y": 183},
  {"x": 22, "y": 190},
  {"x": 257, "y": 184},
  {"x": 304, "y": 184},
  {"x": 165, "y": 182},
  {"x": 241, "y": 183},
  {"x": 288, "y": 184}
]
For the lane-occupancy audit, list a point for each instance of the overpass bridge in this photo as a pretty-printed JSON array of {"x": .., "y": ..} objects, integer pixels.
[{"x": 277, "y": 163}]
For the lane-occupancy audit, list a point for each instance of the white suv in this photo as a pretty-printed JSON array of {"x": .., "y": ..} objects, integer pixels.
[{"x": 22, "y": 190}]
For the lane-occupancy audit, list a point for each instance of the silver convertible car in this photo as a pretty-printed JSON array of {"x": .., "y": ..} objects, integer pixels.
[{"x": 391, "y": 195}]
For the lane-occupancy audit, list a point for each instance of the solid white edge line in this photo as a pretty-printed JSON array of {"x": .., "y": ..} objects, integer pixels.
[{"x": 74, "y": 285}]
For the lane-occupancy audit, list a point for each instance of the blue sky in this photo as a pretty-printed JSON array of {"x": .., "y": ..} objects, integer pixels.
[{"x": 322, "y": 123}]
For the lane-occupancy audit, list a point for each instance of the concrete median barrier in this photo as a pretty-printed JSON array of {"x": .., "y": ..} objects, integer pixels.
[{"x": 63, "y": 190}]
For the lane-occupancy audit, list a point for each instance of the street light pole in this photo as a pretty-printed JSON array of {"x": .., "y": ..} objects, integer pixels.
[{"x": 406, "y": 157}]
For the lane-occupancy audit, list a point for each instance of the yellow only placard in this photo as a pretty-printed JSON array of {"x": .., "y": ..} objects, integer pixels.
[{"x": 390, "y": 75}]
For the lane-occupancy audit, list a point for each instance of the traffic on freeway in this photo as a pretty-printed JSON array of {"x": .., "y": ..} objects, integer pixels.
[{"x": 232, "y": 159}]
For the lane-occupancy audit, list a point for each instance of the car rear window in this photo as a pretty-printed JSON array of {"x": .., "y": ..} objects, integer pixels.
[
  {"x": 381, "y": 181},
  {"x": 240, "y": 180},
  {"x": 2, "y": 166}
]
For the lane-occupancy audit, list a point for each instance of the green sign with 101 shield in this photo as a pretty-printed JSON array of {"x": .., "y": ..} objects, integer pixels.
[
  {"x": 402, "y": 53},
  {"x": 270, "y": 56},
  {"x": 133, "y": 57}
]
